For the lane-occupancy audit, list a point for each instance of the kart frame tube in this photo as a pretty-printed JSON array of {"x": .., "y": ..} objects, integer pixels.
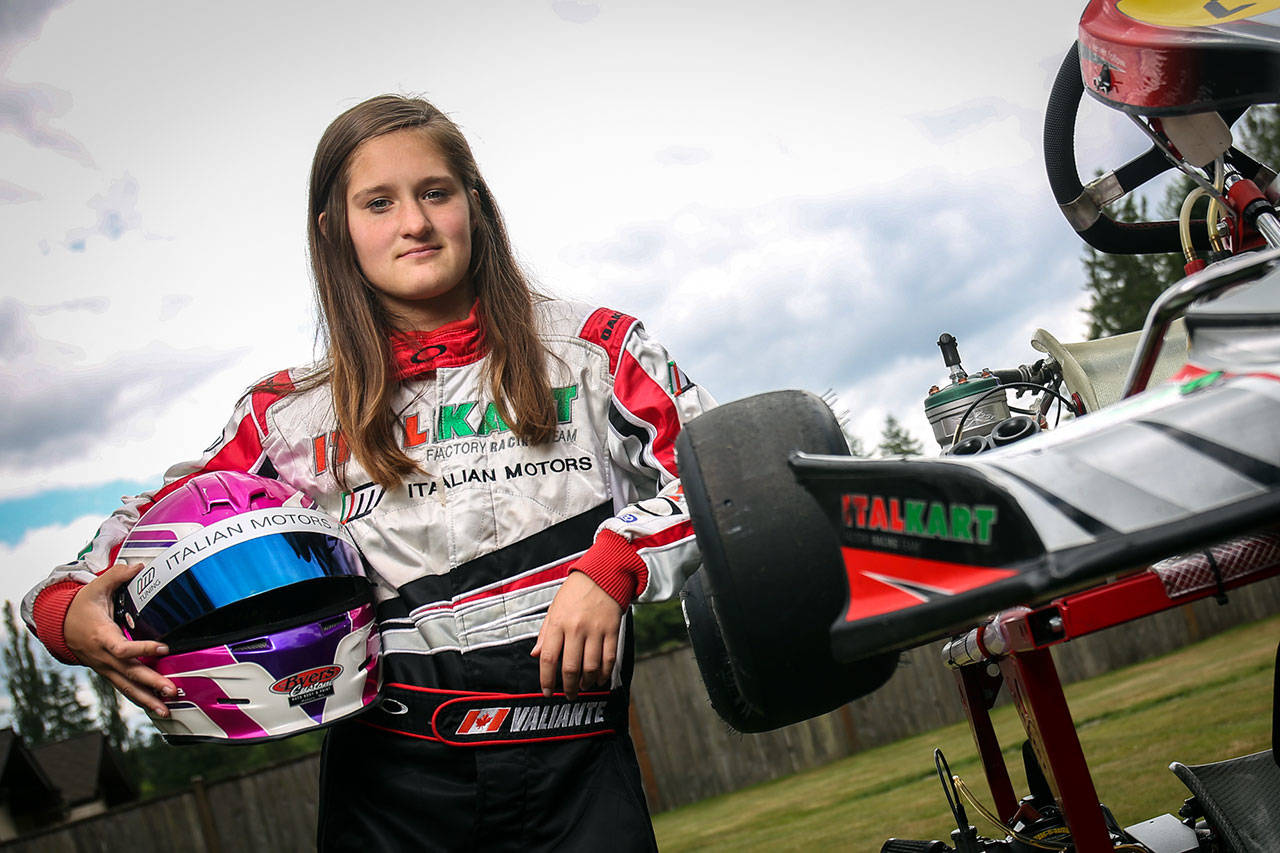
[
  {"x": 1027, "y": 668},
  {"x": 1172, "y": 302}
]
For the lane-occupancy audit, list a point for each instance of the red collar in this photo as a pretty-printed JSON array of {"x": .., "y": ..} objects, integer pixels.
[{"x": 452, "y": 345}]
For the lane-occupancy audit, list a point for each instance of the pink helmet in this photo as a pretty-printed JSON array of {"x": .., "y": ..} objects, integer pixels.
[{"x": 264, "y": 604}]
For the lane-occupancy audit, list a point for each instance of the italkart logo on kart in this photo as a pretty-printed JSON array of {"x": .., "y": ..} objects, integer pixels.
[
  {"x": 308, "y": 685},
  {"x": 950, "y": 522}
]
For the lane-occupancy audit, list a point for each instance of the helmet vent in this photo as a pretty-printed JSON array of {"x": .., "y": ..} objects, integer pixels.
[
  {"x": 260, "y": 645},
  {"x": 227, "y": 700},
  {"x": 329, "y": 624}
]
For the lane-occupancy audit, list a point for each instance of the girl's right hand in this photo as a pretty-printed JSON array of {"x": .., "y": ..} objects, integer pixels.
[{"x": 97, "y": 641}]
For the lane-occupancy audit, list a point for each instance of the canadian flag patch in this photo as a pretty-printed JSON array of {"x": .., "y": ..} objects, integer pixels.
[{"x": 481, "y": 721}]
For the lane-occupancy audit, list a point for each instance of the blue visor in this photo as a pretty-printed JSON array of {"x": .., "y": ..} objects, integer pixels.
[{"x": 242, "y": 572}]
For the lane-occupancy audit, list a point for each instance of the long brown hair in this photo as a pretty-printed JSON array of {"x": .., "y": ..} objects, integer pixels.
[{"x": 356, "y": 326}]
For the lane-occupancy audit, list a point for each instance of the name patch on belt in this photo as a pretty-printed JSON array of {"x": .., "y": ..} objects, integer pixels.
[
  {"x": 477, "y": 719},
  {"x": 532, "y": 718},
  {"x": 521, "y": 718}
]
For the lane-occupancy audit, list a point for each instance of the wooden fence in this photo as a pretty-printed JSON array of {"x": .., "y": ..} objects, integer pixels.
[
  {"x": 267, "y": 811},
  {"x": 686, "y": 752}
]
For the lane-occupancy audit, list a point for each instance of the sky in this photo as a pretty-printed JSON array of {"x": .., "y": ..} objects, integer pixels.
[{"x": 788, "y": 195}]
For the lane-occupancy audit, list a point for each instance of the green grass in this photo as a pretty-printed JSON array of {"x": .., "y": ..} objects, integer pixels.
[{"x": 1202, "y": 703}]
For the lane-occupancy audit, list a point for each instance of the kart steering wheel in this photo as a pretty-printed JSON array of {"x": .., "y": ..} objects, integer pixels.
[{"x": 1083, "y": 206}]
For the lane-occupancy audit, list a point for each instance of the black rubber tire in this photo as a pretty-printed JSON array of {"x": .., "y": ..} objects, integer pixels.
[
  {"x": 713, "y": 659},
  {"x": 773, "y": 575}
]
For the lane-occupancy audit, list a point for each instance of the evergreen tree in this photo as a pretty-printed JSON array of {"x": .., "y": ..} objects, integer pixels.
[
  {"x": 659, "y": 626},
  {"x": 110, "y": 720},
  {"x": 897, "y": 440},
  {"x": 1258, "y": 133},
  {"x": 841, "y": 413},
  {"x": 45, "y": 705},
  {"x": 159, "y": 768},
  {"x": 1122, "y": 287}
]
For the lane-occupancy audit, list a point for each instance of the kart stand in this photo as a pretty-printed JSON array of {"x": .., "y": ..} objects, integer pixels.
[{"x": 1018, "y": 642}]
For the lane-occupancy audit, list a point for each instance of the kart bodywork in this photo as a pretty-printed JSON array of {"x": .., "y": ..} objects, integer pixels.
[{"x": 820, "y": 568}]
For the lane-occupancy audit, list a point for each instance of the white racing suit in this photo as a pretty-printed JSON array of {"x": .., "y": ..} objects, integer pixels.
[{"x": 466, "y": 558}]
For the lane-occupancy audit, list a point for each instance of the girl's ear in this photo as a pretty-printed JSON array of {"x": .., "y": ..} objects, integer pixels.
[
  {"x": 475, "y": 209},
  {"x": 320, "y": 224}
]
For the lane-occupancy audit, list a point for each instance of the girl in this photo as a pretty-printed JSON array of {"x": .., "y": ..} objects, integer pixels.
[{"x": 506, "y": 463}]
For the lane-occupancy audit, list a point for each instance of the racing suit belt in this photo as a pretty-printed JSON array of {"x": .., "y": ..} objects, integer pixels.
[{"x": 459, "y": 718}]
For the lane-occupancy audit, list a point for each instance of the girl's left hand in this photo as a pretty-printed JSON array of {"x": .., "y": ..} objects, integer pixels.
[{"x": 580, "y": 635}]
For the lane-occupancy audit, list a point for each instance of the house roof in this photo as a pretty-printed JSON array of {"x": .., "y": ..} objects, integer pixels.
[
  {"x": 85, "y": 768},
  {"x": 23, "y": 782}
]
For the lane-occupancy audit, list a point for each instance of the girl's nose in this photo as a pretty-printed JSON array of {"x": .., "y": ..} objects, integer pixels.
[{"x": 414, "y": 220}]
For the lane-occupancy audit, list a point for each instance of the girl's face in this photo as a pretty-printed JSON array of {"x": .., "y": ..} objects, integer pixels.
[{"x": 410, "y": 223}]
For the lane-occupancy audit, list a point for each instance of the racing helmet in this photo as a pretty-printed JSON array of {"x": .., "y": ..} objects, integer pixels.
[{"x": 264, "y": 603}]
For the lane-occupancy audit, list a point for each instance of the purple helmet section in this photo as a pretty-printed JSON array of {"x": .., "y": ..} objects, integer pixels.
[
  {"x": 299, "y": 649},
  {"x": 286, "y": 653},
  {"x": 157, "y": 538}
]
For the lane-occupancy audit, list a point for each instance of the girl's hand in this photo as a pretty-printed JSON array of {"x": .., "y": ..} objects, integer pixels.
[
  {"x": 580, "y": 636},
  {"x": 97, "y": 641}
]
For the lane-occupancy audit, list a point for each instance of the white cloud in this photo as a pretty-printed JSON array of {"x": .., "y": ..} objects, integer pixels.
[
  {"x": 39, "y": 551},
  {"x": 788, "y": 196},
  {"x": 26, "y": 110},
  {"x": 11, "y": 193},
  {"x": 682, "y": 155},
  {"x": 833, "y": 291},
  {"x": 575, "y": 12},
  {"x": 82, "y": 404},
  {"x": 116, "y": 210}
]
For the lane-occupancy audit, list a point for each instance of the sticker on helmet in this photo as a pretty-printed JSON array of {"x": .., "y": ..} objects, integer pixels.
[{"x": 308, "y": 685}]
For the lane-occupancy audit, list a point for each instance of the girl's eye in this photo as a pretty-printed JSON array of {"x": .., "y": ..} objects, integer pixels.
[
  {"x": 434, "y": 195},
  {"x": 379, "y": 204}
]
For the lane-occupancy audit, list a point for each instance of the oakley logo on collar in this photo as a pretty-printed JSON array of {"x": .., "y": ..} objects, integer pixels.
[{"x": 428, "y": 353}]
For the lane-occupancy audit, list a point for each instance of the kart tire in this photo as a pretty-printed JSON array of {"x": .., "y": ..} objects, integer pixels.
[
  {"x": 773, "y": 574},
  {"x": 713, "y": 659}
]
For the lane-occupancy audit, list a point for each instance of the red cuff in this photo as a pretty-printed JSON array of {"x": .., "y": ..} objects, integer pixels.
[
  {"x": 615, "y": 566},
  {"x": 50, "y": 612}
]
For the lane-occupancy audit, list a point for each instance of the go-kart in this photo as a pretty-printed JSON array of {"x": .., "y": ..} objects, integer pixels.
[{"x": 1156, "y": 483}]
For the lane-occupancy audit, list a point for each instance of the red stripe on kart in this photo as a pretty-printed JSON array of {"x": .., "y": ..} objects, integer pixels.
[
  {"x": 1188, "y": 372},
  {"x": 871, "y": 576}
]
